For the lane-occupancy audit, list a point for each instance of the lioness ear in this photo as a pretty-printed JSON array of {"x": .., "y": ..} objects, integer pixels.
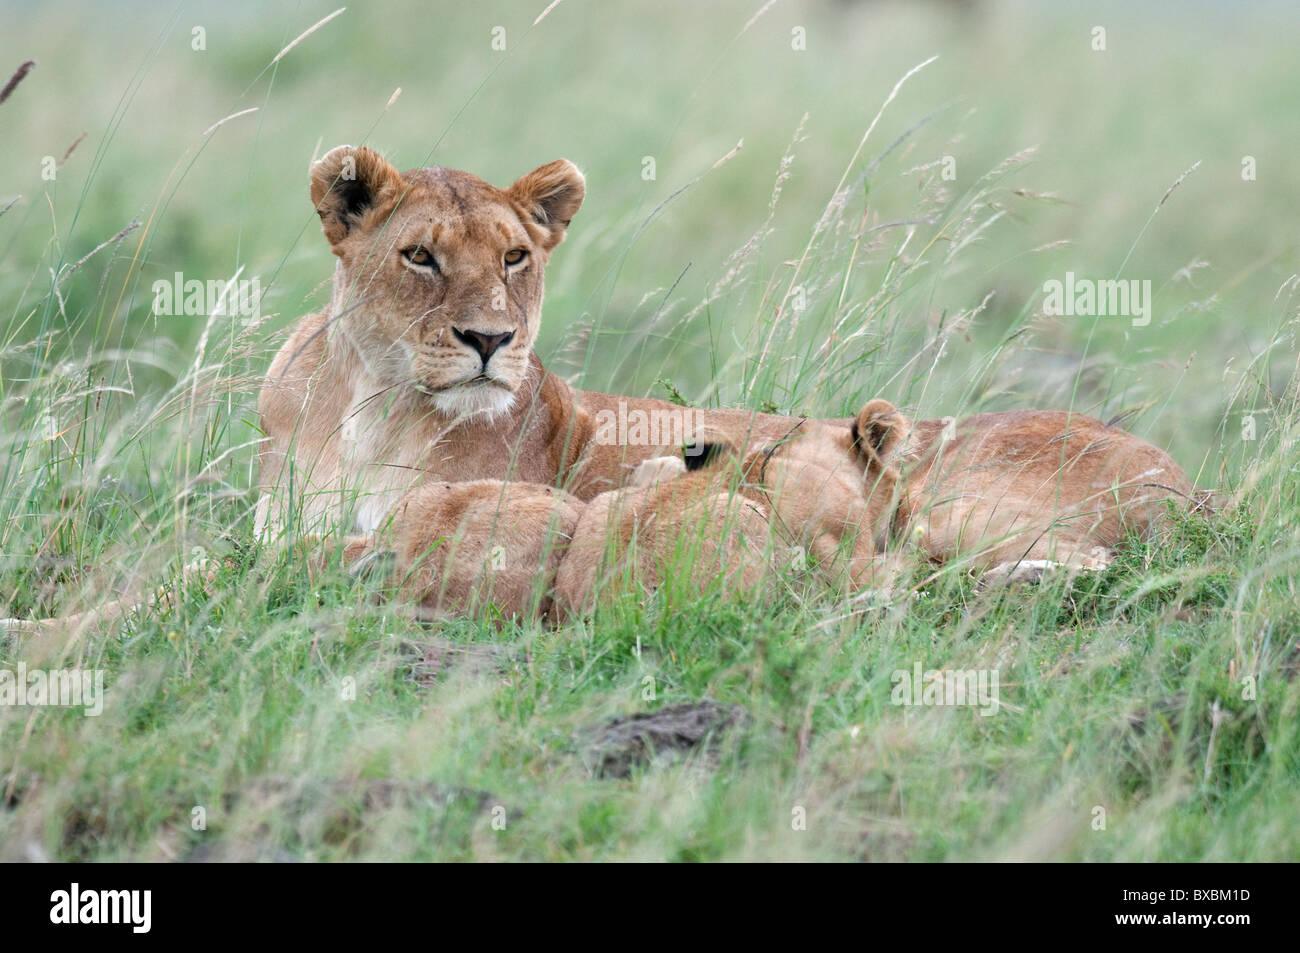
[
  {"x": 346, "y": 183},
  {"x": 549, "y": 197},
  {"x": 878, "y": 430}
]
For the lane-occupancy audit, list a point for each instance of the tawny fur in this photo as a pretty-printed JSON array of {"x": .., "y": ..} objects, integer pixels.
[
  {"x": 461, "y": 547},
  {"x": 1030, "y": 485},
  {"x": 531, "y": 550}
]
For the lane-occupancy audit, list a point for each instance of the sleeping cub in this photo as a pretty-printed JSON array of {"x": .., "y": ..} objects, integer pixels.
[{"x": 715, "y": 516}]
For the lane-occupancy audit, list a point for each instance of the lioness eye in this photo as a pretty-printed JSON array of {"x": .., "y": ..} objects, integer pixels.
[
  {"x": 515, "y": 256},
  {"x": 421, "y": 257}
]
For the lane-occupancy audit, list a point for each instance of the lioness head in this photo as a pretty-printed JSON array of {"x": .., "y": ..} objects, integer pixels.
[{"x": 439, "y": 275}]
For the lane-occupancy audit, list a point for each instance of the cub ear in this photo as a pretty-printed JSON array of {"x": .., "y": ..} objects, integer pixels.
[
  {"x": 706, "y": 446},
  {"x": 878, "y": 430},
  {"x": 346, "y": 183},
  {"x": 548, "y": 198}
]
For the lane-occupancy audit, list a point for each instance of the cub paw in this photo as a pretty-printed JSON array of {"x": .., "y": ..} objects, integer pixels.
[
  {"x": 377, "y": 563},
  {"x": 1020, "y": 573},
  {"x": 657, "y": 470}
]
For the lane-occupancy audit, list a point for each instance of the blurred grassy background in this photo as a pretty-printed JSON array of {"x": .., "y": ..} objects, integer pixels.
[
  {"x": 607, "y": 84},
  {"x": 126, "y": 439}
]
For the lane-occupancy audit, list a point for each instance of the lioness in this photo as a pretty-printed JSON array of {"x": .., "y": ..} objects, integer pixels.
[{"x": 422, "y": 370}]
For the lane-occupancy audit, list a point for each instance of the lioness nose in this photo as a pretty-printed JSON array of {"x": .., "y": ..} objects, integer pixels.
[{"x": 485, "y": 344}]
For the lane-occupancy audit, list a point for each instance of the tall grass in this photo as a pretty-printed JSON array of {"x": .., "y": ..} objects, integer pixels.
[{"x": 1148, "y": 712}]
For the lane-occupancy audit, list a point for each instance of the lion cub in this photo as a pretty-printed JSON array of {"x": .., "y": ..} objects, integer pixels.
[{"x": 716, "y": 516}]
